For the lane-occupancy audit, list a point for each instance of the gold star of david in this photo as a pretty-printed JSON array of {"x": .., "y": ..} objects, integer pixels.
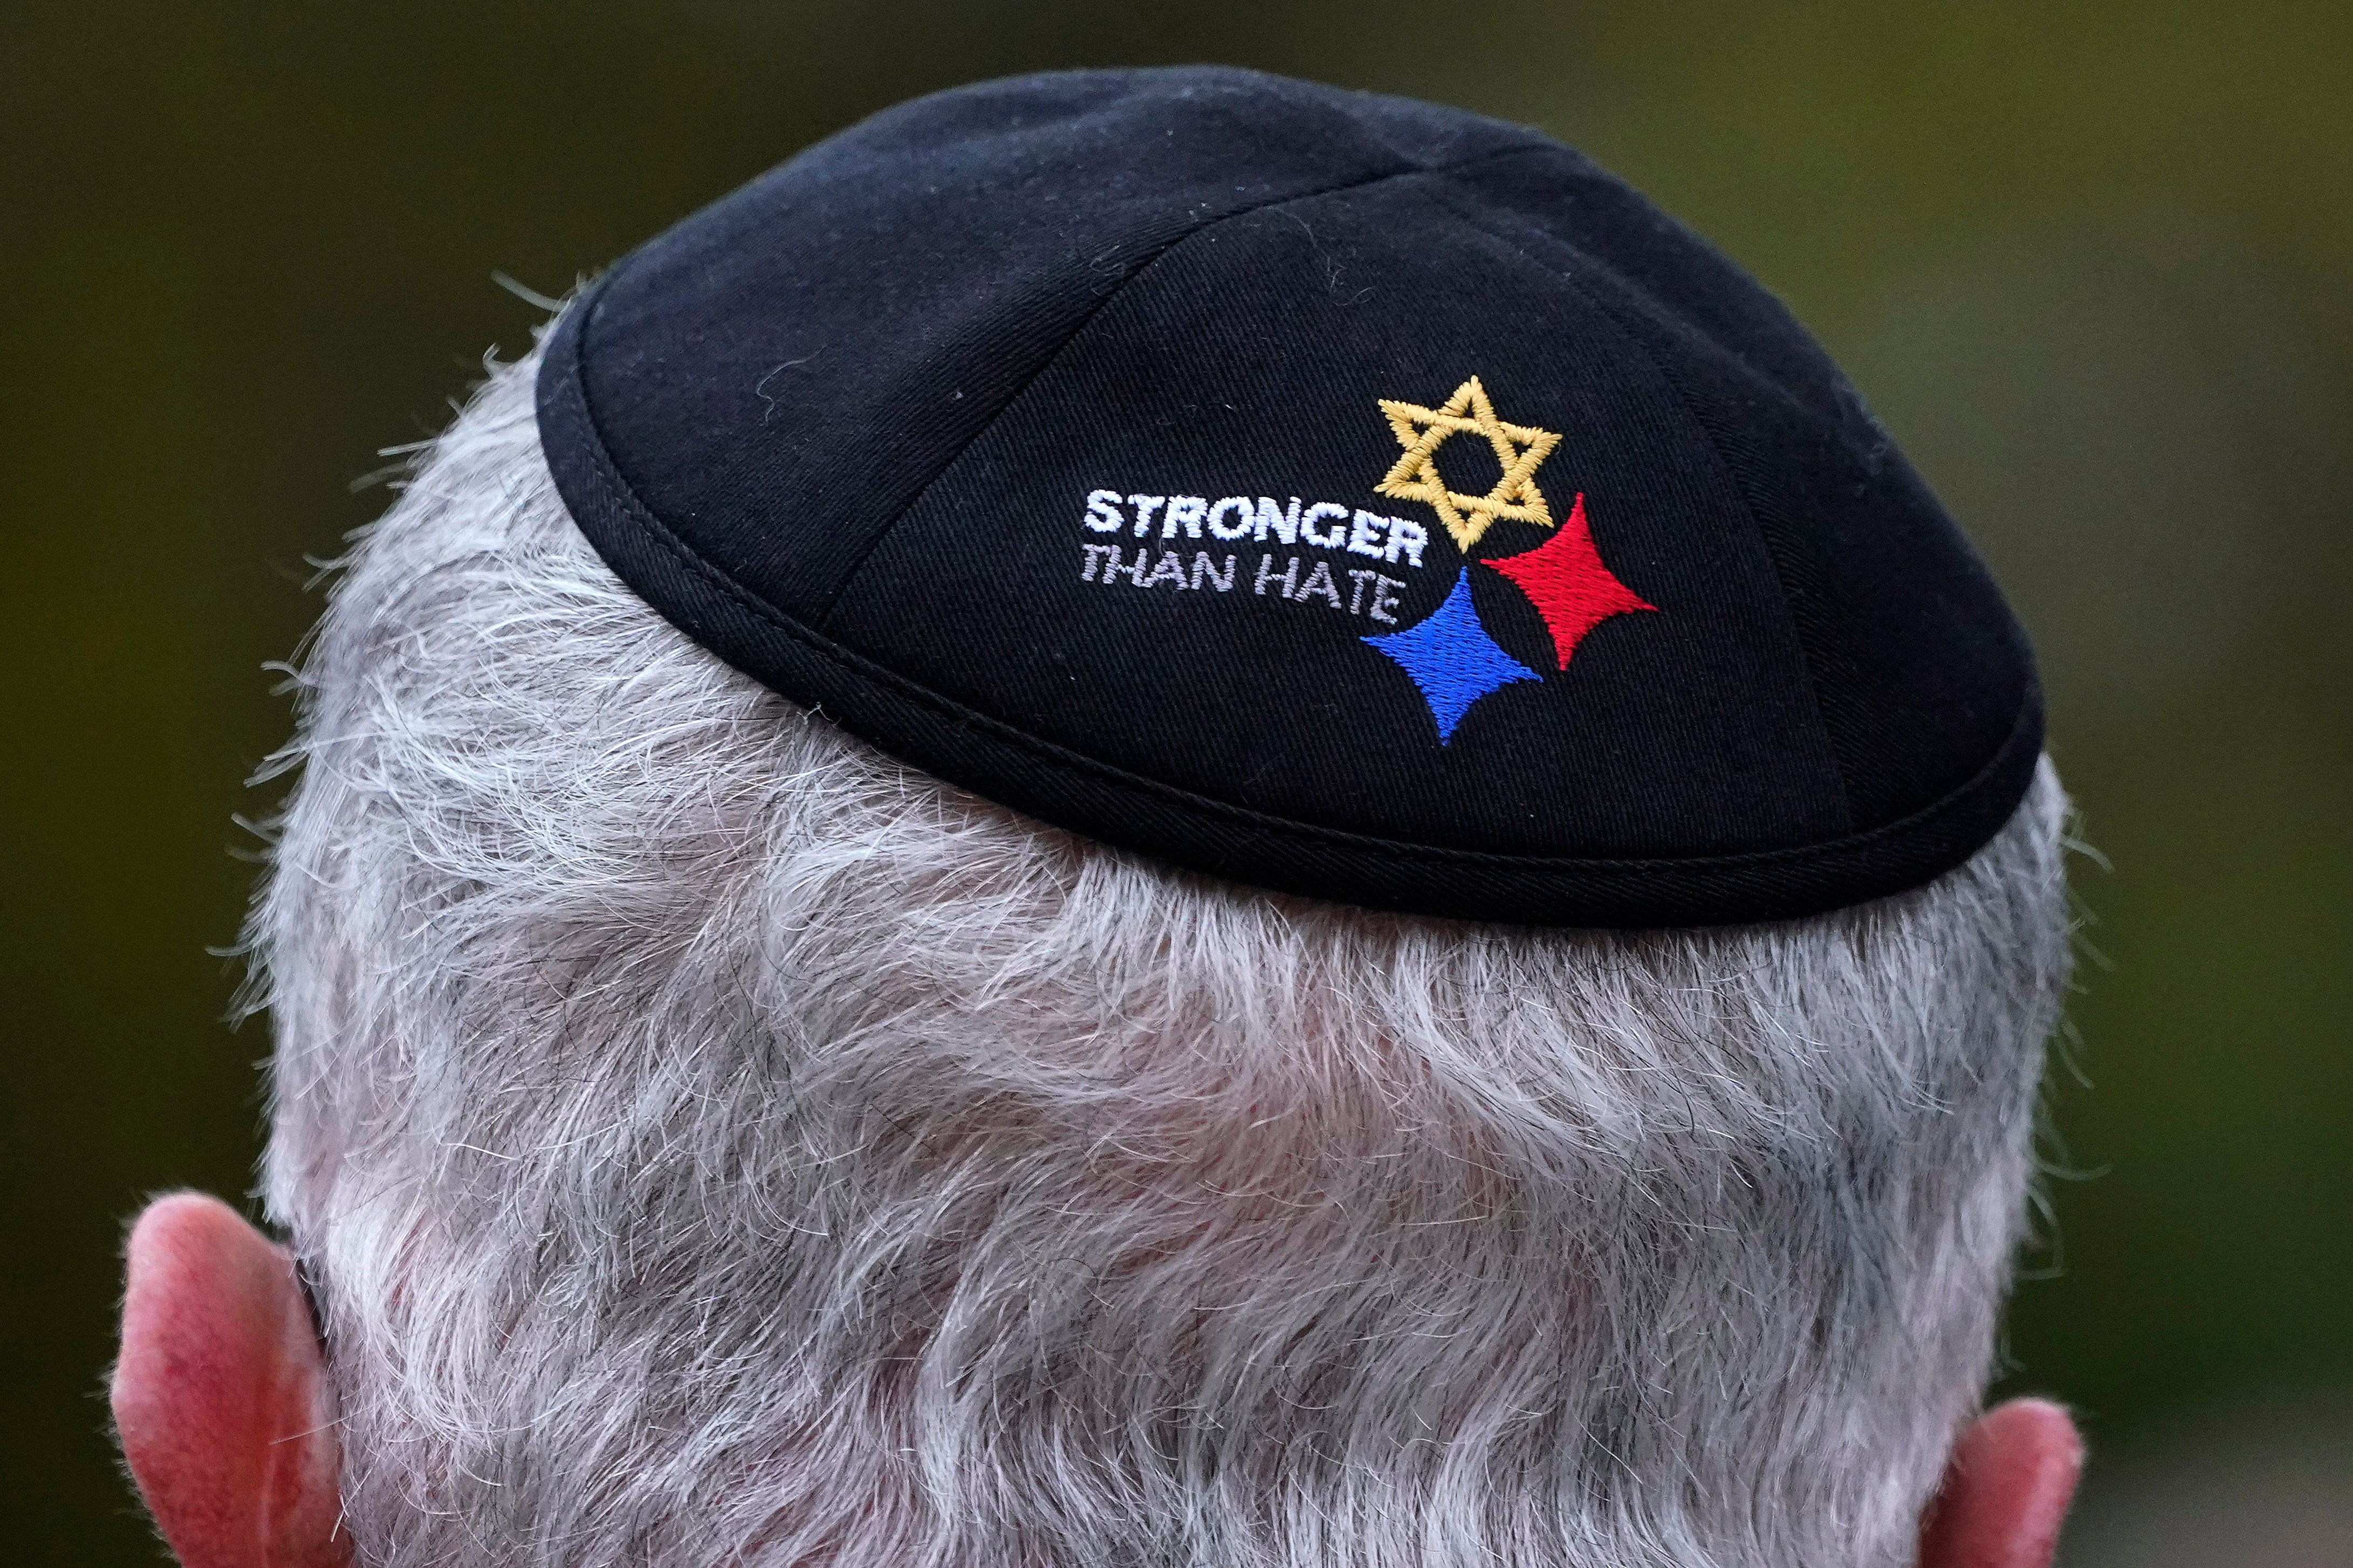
[{"x": 1518, "y": 447}]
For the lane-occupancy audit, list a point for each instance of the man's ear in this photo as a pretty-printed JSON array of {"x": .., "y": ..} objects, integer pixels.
[
  {"x": 220, "y": 1397},
  {"x": 2005, "y": 1490}
]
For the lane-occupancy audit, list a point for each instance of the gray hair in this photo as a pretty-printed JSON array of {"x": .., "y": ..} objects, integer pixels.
[{"x": 711, "y": 1141}]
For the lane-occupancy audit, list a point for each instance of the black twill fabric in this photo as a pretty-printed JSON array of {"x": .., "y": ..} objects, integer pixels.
[{"x": 843, "y": 428}]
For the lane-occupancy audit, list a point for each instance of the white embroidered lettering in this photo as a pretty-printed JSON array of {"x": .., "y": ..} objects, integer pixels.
[
  {"x": 1103, "y": 515},
  {"x": 1188, "y": 510},
  {"x": 1290, "y": 578},
  {"x": 1239, "y": 506},
  {"x": 1335, "y": 540},
  {"x": 1323, "y": 525},
  {"x": 1284, "y": 523},
  {"x": 1319, "y": 581},
  {"x": 1203, "y": 567},
  {"x": 1134, "y": 572},
  {"x": 1408, "y": 537}
]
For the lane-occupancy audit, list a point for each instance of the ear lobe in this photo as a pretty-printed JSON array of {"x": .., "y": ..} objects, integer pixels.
[
  {"x": 2005, "y": 1490},
  {"x": 220, "y": 1397}
]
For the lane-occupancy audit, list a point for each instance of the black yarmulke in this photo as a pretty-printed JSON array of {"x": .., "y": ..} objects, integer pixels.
[{"x": 1331, "y": 492}]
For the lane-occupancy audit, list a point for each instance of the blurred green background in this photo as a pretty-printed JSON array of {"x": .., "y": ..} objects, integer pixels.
[{"x": 2090, "y": 262}]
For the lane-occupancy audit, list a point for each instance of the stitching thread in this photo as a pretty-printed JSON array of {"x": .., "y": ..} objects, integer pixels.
[
  {"x": 1567, "y": 582},
  {"x": 1520, "y": 449}
]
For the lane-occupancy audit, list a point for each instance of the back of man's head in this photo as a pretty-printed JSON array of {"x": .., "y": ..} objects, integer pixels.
[{"x": 709, "y": 1141}]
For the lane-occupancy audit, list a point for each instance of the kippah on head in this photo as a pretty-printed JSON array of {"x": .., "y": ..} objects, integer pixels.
[{"x": 1330, "y": 492}]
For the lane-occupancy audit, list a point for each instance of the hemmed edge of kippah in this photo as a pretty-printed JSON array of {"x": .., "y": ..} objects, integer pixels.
[{"x": 1069, "y": 790}]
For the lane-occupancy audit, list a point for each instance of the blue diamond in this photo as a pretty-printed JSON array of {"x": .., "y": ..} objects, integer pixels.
[{"x": 1452, "y": 658}]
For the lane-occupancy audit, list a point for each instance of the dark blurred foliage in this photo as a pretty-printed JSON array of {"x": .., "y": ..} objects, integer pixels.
[{"x": 2088, "y": 261}]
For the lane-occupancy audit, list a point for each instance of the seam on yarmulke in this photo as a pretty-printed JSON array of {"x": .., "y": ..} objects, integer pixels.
[
  {"x": 1674, "y": 383},
  {"x": 571, "y": 400},
  {"x": 1078, "y": 328}
]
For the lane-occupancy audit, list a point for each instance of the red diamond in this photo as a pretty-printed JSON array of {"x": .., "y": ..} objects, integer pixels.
[{"x": 1563, "y": 578}]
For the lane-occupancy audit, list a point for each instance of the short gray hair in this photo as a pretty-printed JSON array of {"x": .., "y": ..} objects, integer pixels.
[{"x": 711, "y": 1141}]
